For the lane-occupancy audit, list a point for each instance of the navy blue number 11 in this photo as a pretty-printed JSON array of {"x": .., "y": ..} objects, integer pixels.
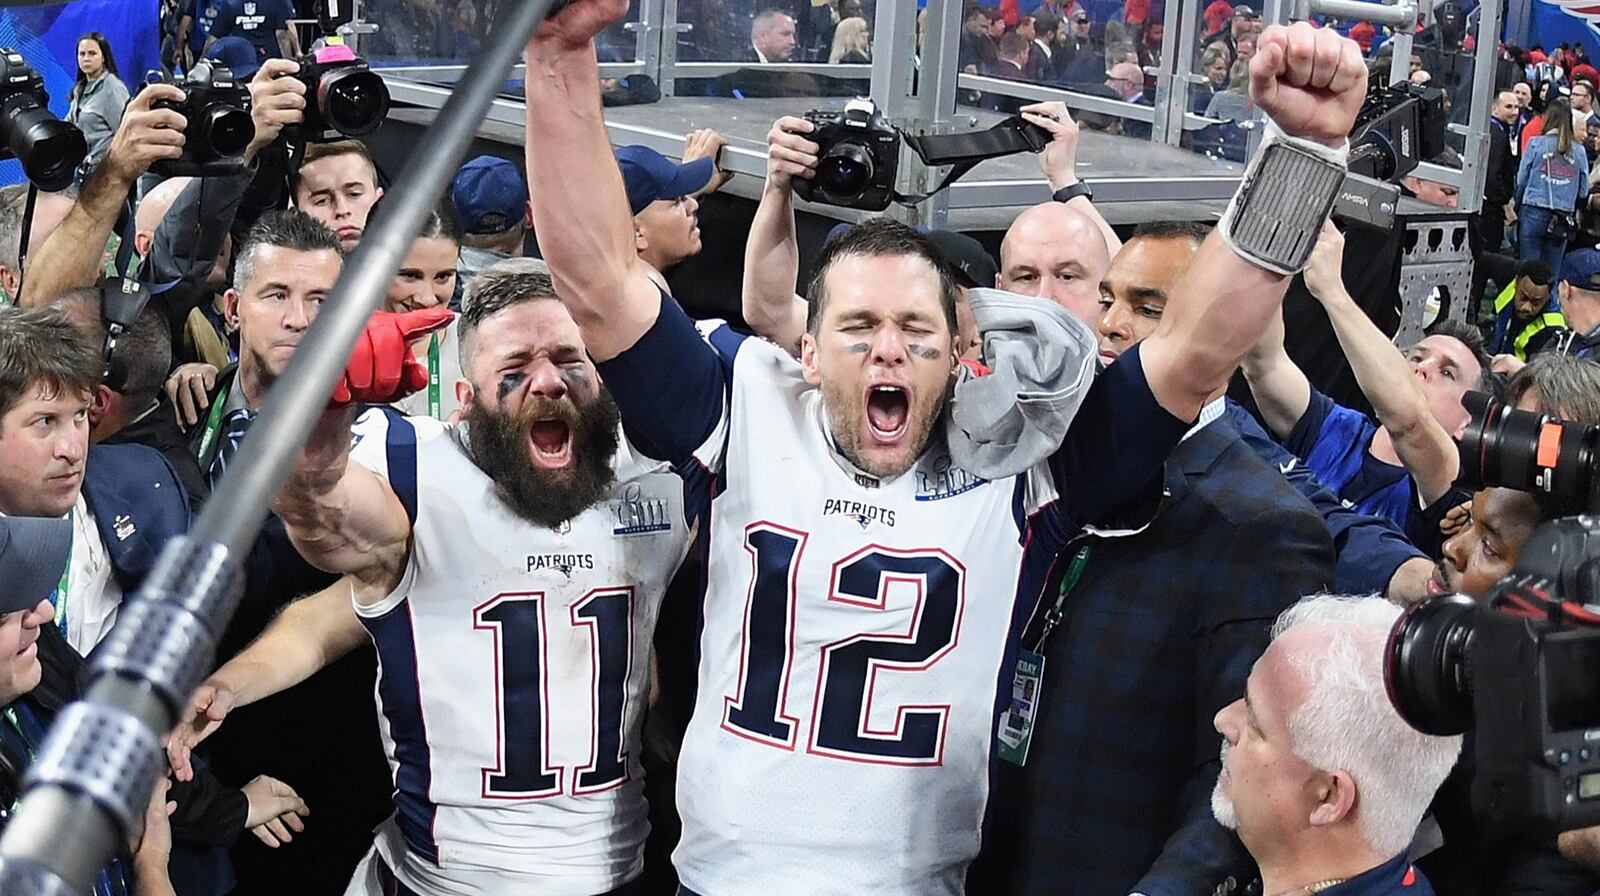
[{"x": 521, "y": 636}]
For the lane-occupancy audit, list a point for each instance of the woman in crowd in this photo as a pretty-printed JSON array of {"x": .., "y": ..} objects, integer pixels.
[
  {"x": 1214, "y": 64},
  {"x": 98, "y": 96},
  {"x": 427, "y": 279},
  {"x": 852, "y": 42},
  {"x": 1553, "y": 175},
  {"x": 1232, "y": 102}
]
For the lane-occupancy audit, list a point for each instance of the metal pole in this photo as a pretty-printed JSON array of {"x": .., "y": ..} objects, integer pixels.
[
  {"x": 88, "y": 787},
  {"x": 1475, "y": 161}
]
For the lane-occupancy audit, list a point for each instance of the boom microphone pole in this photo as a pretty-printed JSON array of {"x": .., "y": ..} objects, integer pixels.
[{"x": 87, "y": 790}]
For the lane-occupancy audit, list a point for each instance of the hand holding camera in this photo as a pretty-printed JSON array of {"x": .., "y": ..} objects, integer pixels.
[
  {"x": 152, "y": 131},
  {"x": 789, "y": 153},
  {"x": 276, "y": 102}
]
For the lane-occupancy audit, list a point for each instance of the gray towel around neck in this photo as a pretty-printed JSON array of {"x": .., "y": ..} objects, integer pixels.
[{"x": 1042, "y": 362}]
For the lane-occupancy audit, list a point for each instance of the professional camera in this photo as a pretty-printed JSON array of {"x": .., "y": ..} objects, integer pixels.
[
  {"x": 49, "y": 149},
  {"x": 1522, "y": 669},
  {"x": 1398, "y": 126},
  {"x": 1530, "y": 452},
  {"x": 217, "y": 124},
  {"x": 858, "y": 155},
  {"x": 344, "y": 96}
]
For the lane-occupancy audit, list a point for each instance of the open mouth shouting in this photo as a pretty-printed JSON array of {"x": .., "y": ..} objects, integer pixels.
[
  {"x": 550, "y": 443},
  {"x": 888, "y": 413}
]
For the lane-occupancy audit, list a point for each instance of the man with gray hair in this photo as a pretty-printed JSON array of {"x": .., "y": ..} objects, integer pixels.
[
  {"x": 772, "y": 37},
  {"x": 1322, "y": 779}
]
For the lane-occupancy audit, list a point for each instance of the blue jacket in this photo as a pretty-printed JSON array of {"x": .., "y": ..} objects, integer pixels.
[
  {"x": 1552, "y": 181},
  {"x": 1158, "y": 634},
  {"x": 139, "y": 505},
  {"x": 1370, "y": 548}
]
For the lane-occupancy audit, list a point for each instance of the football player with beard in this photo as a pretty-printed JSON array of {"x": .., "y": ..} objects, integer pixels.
[{"x": 509, "y": 570}]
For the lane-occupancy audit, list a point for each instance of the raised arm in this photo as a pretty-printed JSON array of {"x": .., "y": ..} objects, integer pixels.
[
  {"x": 580, "y": 210},
  {"x": 1311, "y": 82},
  {"x": 1425, "y": 448},
  {"x": 1279, "y": 386},
  {"x": 1059, "y": 160},
  {"x": 342, "y": 517},
  {"x": 307, "y": 636},
  {"x": 73, "y": 254},
  {"x": 772, "y": 251}
]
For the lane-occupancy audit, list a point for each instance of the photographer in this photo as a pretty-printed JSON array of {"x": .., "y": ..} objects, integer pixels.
[
  {"x": 1472, "y": 861},
  {"x": 1402, "y": 468}
]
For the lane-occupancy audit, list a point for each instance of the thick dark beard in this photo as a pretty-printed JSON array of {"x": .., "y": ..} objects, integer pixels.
[{"x": 498, "y": 443}]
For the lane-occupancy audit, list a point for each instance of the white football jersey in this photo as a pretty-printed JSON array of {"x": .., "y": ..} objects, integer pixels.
[
  {"x": 855, "y": 631},
  {"x": 514, "y": 665}
]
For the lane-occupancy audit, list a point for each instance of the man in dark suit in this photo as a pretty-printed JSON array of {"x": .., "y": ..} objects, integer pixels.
[
  {"x": 1501, "y": 180},
  {"x": 772, "y": 37},
  {"x": 125, "y": 502},
  {"x": 286, "y": 267},
  {"x": 1145, "y": 635}
]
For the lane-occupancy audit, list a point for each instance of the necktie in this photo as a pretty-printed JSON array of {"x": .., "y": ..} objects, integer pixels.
[{"x": 234, "y": 427}]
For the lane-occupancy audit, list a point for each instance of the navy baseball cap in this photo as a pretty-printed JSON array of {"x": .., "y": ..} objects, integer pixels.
[
  {"x": 490, "y": 195},
  {"x": 968, "y": 261},
  {"x": 237, "y": 55},
  {"x": 650, "y": 176},
  {"x": 33, "y": 554},
  {"x": 1582, "y": 269}
]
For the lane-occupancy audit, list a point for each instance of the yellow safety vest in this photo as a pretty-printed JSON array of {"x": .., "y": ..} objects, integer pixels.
[{"x": 1519, "y": 345}]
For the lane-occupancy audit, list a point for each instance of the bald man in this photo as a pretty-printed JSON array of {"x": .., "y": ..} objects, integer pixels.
[
  {"x": 1056, "y": 252},
  {"x": 152, "y": 209}
]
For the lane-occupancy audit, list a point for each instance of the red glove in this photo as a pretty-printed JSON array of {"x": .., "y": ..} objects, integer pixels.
[{"x": 382, "y": 368}]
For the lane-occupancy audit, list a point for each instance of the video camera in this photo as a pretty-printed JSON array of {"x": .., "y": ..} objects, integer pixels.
[
  {"x": 1399, "y": 125},
  {"x": 49, "y": 149},
  {"x": 858, "y": 154},
  {"x": 217, "y": 124},
  {"x": 1522, "y": 669}
]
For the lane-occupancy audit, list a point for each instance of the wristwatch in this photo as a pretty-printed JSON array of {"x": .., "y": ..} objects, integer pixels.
[{"x": 1073, "y": 191}]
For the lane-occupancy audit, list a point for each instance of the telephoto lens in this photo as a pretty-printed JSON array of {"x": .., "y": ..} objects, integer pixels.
[
  {"x": 1426, "y": 669},
  {"x": 1503, "y": 447},
  {"x": 49, "y": 149}
]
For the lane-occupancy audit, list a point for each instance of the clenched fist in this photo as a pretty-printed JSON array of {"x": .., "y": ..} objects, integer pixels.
[{"x": 1310, "y": 81}]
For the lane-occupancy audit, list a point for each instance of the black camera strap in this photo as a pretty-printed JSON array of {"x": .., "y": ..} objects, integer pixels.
[
  {"x": 962, "y": 152},
  {"x": 27, "y": 234}
]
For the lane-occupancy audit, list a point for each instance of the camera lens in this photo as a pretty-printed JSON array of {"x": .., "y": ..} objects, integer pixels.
[
  {"x": 354, "y": 102},
  {"x": 228, "y": 130},
  {"x": 48, "y": 148},
  {"x": 845, "y": 170},
  {"x": 1507, "y": 448},
  {"x": 1425, "y": 667}
]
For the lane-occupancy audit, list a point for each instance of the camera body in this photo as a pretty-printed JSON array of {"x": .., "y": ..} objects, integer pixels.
[
  {"x": 49, "y": 149},
  {"x": 1521, "y": 668},
  {"x": 344, "y": 96},
  {"x": 1399, "y": 126},
  {"x": 858, "y": 157},
  {"x": 217, "y": 123},
  {"x": 1528, "y": 687}
]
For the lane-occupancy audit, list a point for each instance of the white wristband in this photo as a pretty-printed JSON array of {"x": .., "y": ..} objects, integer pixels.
[{"x": 1286, "y": 194}]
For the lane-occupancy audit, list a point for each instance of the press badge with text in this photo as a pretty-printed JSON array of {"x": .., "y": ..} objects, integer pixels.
[{"x": 1016, "y": 721}]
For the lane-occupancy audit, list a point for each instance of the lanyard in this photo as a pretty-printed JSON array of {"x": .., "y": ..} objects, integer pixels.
[
  {"x": 1068, "y": 582},
  {"x": 435, "y": 407},
  {"x": 60, "y": 600},
  {"x": 213, "y": 422}
]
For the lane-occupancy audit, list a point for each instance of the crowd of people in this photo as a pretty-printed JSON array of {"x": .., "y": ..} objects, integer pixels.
[{"x": 935, "y": 573}]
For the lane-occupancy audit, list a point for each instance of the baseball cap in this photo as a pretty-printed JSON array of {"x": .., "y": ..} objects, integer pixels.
[
  {"x": 1582, "y": 269},
  {"x": 971, "y": 264},
  {"x": 1079, "y": 15},
  {"x": 650, "y": 176},
  {"x": 33, "y": 552},
  {"x": 1244, "y": 12},
  {"x": 490, "y": 195},
  {"x": 237, "y": 55}
]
